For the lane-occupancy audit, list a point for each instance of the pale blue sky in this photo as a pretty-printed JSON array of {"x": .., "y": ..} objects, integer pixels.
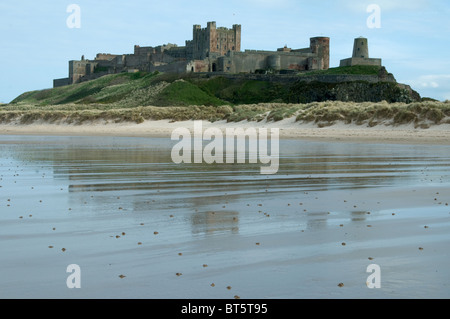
[{"x": 36, "y": 44}]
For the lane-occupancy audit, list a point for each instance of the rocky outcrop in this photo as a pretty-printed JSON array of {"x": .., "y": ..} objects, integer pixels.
[{"x": 356, "y": 91}]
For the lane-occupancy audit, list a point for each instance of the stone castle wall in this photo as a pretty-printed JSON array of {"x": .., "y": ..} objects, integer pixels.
[{"x": 212, "y": 49}]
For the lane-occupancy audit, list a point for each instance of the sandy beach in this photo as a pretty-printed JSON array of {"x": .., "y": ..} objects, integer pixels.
[
  {"x": 138, "y": 226},
  {"x": 404, "y": 134}
]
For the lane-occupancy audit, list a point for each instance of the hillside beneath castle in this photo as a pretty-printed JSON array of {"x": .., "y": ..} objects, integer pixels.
[
  {"x": 361, "y": 84},
  {"x": 358, "y": 94}
]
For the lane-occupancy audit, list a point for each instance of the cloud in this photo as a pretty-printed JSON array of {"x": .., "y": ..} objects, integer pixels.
[{"x": 433, "y": 85}]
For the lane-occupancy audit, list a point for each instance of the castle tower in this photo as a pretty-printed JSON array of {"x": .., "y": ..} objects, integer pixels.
[
  {"x": 321, "y": 47},
  {"x": 215, "y": 41},
  {"x": 360, "y": 55},
  {"x": 361, "y": 48}
]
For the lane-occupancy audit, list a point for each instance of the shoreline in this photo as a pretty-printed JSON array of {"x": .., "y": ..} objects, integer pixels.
[{"x": 289, "y": 129}]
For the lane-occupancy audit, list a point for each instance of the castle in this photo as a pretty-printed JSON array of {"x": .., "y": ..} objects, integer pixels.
[{"x": 211, "y": 49}]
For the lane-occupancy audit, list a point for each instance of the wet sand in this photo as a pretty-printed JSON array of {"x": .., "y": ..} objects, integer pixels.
[
  {"x": 140, "y": 226},
  {"x": 404, "y": 134}
]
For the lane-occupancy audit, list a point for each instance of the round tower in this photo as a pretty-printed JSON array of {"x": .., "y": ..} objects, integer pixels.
[
  {"x": 274, "y": 62},
  {"x": 361, "y": 48}
]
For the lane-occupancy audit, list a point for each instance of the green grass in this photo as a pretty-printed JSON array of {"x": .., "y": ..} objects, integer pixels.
[
  {"x": 136, "y": 97},
  {"x": 347, "y": 70},
  {"x": 185, "y": 93}
]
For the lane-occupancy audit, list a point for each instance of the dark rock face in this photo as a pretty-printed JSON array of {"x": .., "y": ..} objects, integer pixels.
[{"x": 358, "y": 91}]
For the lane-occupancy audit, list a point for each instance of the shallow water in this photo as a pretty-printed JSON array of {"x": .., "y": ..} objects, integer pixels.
[{"x": 120, "y": 206}]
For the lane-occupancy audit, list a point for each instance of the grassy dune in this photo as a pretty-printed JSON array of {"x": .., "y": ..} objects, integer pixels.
[
  {"x": 422, "y": 114},
  {"x": 138, "y": 97}
]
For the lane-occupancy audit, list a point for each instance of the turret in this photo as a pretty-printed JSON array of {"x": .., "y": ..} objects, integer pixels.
[{"x": 361, "y": 48}]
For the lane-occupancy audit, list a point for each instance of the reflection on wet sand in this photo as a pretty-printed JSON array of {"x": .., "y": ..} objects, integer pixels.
[
  {"x": 215, "y": 222},
  {"x": 119, "y": 206}
]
